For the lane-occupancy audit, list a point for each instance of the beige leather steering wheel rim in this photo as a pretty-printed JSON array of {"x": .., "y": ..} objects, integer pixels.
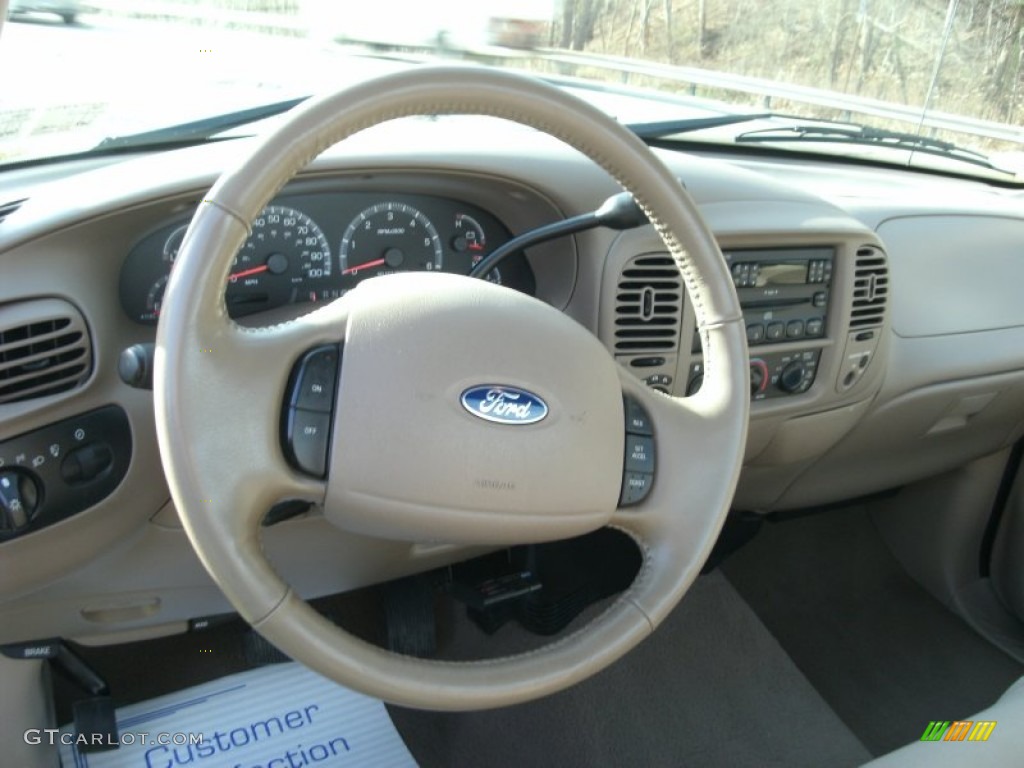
[{"x": 224, "y": 464}]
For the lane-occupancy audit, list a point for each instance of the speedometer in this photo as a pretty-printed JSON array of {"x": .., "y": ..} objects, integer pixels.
[
  {"x": 388, "y": 237},
  {"x": 286, "y": 253}
]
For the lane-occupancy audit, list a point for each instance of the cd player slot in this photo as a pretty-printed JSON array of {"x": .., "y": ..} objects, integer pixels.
[{"x": 759, "y": 303}]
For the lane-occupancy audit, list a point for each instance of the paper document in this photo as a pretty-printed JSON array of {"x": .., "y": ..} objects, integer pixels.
[{"x": 279, "y": 716}]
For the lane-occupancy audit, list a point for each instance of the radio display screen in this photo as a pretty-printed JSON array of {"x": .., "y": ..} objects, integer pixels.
[{"x": 791, "y": 273}]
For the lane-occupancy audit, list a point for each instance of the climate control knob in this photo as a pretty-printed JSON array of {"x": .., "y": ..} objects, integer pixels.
[{"x": 791, "y": 379}]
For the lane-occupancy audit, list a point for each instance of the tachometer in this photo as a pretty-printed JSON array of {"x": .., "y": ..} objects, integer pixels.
[{"x": 388, "y": 237}]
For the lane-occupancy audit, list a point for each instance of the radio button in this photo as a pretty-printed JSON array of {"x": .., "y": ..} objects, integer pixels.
[
  {"x": 820, "y": 299},
  {"x": 776, "y": 331},
  {"x": 737, "y": 274},
  {"x": 815, "y": 327},
  {"x": 795, "y": 329},
  {"x": 755, "y": 332}
]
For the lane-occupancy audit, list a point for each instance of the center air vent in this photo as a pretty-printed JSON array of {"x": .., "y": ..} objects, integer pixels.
[
  {"x": 870, "y": 288},
  {"x": 648, "y": 305},
  {"x": 44, "y": 349}
]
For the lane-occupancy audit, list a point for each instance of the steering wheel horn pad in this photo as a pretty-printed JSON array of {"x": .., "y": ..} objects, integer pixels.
[{"x": 408, "y": 460}]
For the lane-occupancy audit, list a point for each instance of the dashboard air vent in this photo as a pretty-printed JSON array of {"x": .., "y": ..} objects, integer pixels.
[
  {"x": 6, "y": 209},
  {"x": 870, "y": 288},
  {"x": 648, "y": 305},
  {"x": 44, "y": 349}
]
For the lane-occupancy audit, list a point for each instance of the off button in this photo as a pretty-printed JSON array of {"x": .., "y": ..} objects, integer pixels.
[{"x": 307, "y": 437}]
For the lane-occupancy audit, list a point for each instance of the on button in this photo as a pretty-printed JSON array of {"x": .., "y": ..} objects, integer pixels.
[{"x": 315, "y": 382}]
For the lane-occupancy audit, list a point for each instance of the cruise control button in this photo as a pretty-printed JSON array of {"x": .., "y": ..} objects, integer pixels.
[
  {"x": 639, "y": 454},
  {"x": 307, "y": 440},
  {"x": 637, "y": 420},
  {"x": 635, "y": 487},
  {"x": 314, "y": 384}
]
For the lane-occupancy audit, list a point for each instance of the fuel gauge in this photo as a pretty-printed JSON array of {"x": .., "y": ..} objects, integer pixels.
[
  {"x": 173, "y": 244},
  {"x": 154, "y": 300}
]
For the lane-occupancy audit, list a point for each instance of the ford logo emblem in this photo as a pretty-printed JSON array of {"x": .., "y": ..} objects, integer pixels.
[{"x": 504, "y": 405}]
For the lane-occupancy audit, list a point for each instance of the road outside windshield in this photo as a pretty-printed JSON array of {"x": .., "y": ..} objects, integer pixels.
[{"x": 945, "y": 69}]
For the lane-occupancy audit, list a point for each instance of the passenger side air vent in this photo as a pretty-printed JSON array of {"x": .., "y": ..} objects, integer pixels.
[
  {"x": 648, "y": 305},
  {"x": 6, "y": 209},
  {"x": 44, "y": 349},
  {"x": 870, "y": 288}
]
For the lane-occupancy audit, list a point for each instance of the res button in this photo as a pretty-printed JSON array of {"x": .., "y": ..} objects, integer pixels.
[{"x": 637, "y": 420}]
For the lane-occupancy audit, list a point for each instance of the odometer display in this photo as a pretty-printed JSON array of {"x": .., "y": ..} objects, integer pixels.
[{"x": 389, "y": 237}]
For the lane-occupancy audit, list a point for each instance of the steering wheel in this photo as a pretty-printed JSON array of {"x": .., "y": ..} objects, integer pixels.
[{"x": 412, "y": 345}]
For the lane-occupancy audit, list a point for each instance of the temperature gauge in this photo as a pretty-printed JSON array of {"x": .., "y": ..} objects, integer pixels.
[{"x": 470, "y": 238}]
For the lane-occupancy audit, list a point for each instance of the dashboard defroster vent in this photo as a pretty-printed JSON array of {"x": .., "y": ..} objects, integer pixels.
[
  {"x": 870, "y": 288},
  {"x": 44, "y": 349},
  {"x": 648, "y": 305}
]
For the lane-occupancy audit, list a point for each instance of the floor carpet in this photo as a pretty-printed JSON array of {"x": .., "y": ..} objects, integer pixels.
[
  {"x": 884, "y": 654},
  {"x": 710, "y": 688}
]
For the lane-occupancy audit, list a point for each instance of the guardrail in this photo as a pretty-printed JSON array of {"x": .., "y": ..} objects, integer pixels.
[{"x": 770, "y": 91}]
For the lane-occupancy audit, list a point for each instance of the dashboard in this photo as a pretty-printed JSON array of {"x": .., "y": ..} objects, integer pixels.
[{"x": 885, "y": 337}]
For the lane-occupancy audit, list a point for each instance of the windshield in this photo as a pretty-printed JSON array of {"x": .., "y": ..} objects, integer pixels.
[{"x": 803, "y": 76}]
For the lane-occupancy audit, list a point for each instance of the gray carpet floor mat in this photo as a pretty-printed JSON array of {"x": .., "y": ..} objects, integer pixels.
[
  {"x": 710, "y": 688},
  {"x": 884, "y": 654}
]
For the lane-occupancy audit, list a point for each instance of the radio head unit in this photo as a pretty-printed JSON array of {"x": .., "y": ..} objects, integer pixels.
[
  {"x": 784, "y": 292},
  {"x": 785, "y": 295}
]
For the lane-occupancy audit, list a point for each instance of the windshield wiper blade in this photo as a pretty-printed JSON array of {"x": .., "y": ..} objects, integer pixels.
[
  {"x": 666, "y": 128},
  {"x": 198, "y": 131},
  {"x": 867, "y": 135}
]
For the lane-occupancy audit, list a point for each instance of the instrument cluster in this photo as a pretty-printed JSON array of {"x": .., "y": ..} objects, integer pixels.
[{"x": 307, "y": 248}]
